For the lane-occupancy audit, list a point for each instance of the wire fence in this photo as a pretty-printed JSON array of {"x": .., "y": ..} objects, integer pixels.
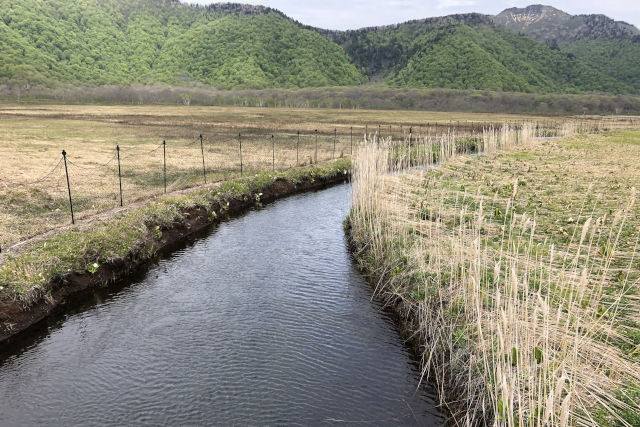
[
  {"x": 81, "y": 184},
  {"x": 77, "y": 185}
]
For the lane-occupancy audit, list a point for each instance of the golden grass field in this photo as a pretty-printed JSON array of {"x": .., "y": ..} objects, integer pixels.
[
  {"x": 33, "y": 191},
  {"x": 523, "y": 268},
  {"x": 33, "y": 187}
]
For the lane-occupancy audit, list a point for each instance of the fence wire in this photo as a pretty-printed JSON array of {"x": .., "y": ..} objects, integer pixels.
[{"x": 180, "y": 163}]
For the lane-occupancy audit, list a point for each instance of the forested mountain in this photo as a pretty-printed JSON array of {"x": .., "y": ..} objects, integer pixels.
[
  {"x": 611, "y": 47},
  {"x": 469, "y": 52},
  {"x": 122, "y": 42},
  {"x": 617, "y": 58},
  {"x": 148, "y": 41}
]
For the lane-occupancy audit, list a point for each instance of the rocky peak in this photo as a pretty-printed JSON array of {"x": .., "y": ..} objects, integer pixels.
[
  {"x": 548, "y": 24},
  {"x": 532, "y": 14}
]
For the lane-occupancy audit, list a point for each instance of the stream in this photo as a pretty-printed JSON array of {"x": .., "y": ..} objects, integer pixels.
[{"x": 263, "y": 321}]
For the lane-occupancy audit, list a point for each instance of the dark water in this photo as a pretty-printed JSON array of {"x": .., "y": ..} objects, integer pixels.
[{"x": 263, "y": 322}]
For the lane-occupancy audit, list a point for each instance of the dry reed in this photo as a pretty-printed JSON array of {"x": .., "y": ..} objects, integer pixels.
[{"x": 516, "y": 329}]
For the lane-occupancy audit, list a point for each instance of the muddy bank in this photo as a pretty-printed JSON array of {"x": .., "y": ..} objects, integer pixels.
[
  {"x": 404, "y": 314},
  {"x": 17, "y": 317}
]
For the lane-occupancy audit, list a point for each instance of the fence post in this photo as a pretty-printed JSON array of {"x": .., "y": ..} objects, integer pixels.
[
  {"x": 298, "y": 150},
  {"x": 351, "y": 140},
  {"x": 316, "y": 132},
  {"x": 164, "y": 161},
  {"x": 273, "y": 153},
  {"x": 66, "y": 171},
  {"x": 410, "y": 136},
  {"x": 335, "y": 136},
  {"x": 204, "y": 169},
  {"x": 240, "y": 142},
  {"x": 379, "y": 131},
  {"x": 119, "y": 173}
]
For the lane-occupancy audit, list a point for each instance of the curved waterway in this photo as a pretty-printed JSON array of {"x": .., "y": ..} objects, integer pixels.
[{"x": 265, "y": 321}]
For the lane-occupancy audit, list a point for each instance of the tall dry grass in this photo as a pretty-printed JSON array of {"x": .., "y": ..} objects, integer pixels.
[
  {"x": 570, "y": 129},
  {"x": 515, "y": 330}
]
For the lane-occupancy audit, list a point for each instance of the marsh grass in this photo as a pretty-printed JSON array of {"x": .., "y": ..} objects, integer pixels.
[
  {"x": 33, "y": 185},
  {"x": 525, "y": 301},
  {"x": 32, "y": 177}
]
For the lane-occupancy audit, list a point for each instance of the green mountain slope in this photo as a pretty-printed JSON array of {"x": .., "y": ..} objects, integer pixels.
[
  {"x": 610, "y": 47},
  {"x": 618, "y": 58},
  {"x": 256, "y": 51},
  {"x": 470, "y": 52},
  {"x": 122, "y": 42}
]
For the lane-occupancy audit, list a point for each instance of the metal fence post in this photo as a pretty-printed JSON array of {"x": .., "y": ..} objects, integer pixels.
[
  {"x": 164, "y": 160},
  {"x": 66, "y": 171},
  {"x": 335, "y": 136},
  {"x": 204, "y": 169},
  {"x": 298, "y": 150},
  {"x": 316, "y": 132},
  {"x": 273, "y": 153},
  {"x": 119, "y": 173},
  {"x": 240, "y": 142}
]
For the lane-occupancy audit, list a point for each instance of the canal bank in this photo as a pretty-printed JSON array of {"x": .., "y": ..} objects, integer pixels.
[
  {"x": 265, "y": 321},
  {"x": 41, "y": 280}
]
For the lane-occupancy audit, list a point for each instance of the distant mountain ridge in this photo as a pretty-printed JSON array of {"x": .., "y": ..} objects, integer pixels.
[
  {"x": 611, "y": 47},
  {"x": 546, "y": 23},
  {"x": 538, "y": 49},
  {"x": 475, "y": 51}
]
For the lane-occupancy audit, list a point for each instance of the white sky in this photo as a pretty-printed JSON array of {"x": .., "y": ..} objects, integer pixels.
[{"x": 352, "y": 14}]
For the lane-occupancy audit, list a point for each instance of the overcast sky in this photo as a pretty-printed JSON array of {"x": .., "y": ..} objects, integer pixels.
[{"x": 352, "y": 14}]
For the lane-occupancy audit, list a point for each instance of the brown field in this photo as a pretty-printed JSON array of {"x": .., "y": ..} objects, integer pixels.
[{"x": 33, "y": 190}]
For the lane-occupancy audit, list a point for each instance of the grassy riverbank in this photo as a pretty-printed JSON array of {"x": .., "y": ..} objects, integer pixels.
[
  {"x": 132, "y": 237},
  {"x": 518, "y": 273}
]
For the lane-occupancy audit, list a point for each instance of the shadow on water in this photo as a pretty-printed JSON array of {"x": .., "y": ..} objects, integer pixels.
[{"x": 263, "y": 321}]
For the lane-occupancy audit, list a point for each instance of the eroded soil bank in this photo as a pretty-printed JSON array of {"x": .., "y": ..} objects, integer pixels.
[{"x": 90, "y": 268}]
